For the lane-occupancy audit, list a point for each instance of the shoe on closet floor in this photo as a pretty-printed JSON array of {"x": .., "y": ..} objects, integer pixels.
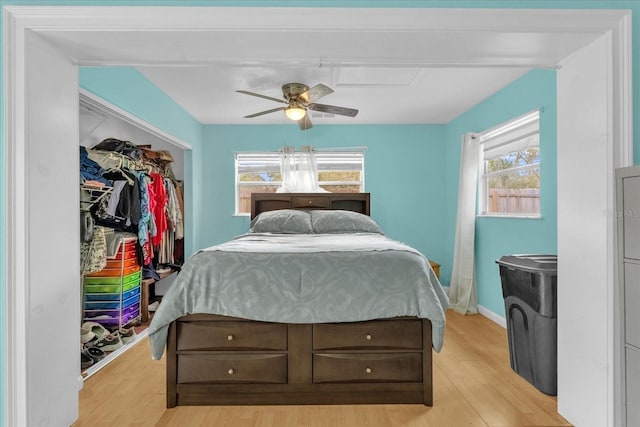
[
  {"x": 127, "y": 334},
  {"x": 85, "y": 360},
  {"x": 86, "y": 335},
  {"x": 109, "y": 342},
  {"x": 94, "y": 353},
  {"x": 94, "y": 328},
  {"x": 153, "y": 306}
]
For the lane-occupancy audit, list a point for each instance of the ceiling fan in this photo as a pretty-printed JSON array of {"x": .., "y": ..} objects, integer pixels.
[{"x": 300, "y": 98}]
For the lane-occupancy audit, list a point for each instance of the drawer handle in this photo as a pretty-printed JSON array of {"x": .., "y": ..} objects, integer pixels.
[
  {"x": 310, "y": 202},
  {"x": 368, "y": 337},
  {"x": 230, "y": 337},
  {"x": 231, "y": 371},
  {"x": 368, "y": 370}
]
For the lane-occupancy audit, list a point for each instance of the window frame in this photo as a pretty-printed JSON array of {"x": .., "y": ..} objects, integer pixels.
[
  {"x": 274, "y": 158},
  {"x": 513, "y": 133}
]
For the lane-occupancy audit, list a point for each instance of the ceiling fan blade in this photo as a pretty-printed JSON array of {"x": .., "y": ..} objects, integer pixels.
[
  {"x": 246, "y": 92},
  {"x": 342, "y": 111},
  {"x": 315, "y": 93},
  {"x": 261, "y": 113},
  {"x": 305, "y": 122}
]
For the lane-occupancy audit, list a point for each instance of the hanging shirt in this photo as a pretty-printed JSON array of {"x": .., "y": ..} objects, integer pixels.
[
  {"x": 159, "y": 215},
  {"x": 145, "y": 214}
]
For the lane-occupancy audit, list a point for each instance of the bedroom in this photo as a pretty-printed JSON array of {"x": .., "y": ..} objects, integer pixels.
[{"x": 452, "y": 166}]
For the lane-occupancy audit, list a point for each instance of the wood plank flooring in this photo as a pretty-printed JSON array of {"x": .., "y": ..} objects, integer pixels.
[{"x": 473, "y": 386}]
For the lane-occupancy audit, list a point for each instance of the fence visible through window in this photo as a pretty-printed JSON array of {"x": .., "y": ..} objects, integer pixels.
[
  {"x": 524, "y": 201},
  {"x": 259, "y": 172},
  {"x": 509, "y": 166}
]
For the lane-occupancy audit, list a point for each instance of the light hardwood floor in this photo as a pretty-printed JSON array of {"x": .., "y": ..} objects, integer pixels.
[{"x": 473, "y": 386}]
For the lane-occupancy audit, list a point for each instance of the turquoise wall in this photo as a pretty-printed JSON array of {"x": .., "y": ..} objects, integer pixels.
[
  {"x": 128, "y": 89},
  {"x": 403, "y": 172},
  {"x": 451, "y": 161},
  {"x": 496, "y": 237}
]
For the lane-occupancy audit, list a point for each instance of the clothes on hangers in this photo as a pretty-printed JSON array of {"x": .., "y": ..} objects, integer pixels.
[
  {"x": 90, "y": 170},
  {"x": 160, "y": 197},
  {"x": 145, "y": 213},
  {"x": 146, "y": 200},
  {"x": 112, "y": 206}
]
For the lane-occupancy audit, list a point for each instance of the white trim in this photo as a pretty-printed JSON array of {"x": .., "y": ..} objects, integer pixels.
[
  {"x": 16, "y": 207},
  {"x": 44, "y": 20},
  {"x": 496, "y": 318},
  {"x": 623, "y": 156},
  {"x": 612, "y": 141},
  {"x": 104, "y": 106},
  {"x": 510, "y": 125}
]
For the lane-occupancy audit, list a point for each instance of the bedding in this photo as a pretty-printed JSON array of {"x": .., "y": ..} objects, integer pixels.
[
  {"x": 305, "y": 278},
  {"x": 338, "y": 221},
  {"x": 282, "y": 221}
]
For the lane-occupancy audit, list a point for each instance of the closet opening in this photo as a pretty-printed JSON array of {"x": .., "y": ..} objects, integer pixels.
[{"x": 132, "y": 218}]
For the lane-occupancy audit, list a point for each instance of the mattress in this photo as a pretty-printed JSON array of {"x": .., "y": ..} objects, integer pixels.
[{"x": 304, "y": 278}]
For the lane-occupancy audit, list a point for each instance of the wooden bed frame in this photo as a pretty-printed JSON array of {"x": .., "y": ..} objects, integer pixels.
[{"x": 219, "y": 360}]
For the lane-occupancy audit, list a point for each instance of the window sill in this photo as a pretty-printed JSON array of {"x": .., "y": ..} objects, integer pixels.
[{"x": 509, "y": 216}]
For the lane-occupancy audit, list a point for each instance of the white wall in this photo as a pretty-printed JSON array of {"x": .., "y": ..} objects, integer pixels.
[
  {"x": 53, "y": 233},
  {"x": 585, "y": 235}
]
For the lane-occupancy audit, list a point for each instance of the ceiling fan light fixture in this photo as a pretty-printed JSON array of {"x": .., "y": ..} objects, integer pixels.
[{"x": 295, "y": 113}]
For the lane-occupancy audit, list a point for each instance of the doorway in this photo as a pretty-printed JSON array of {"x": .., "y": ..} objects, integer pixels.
[{"x": 41, "y": 114}]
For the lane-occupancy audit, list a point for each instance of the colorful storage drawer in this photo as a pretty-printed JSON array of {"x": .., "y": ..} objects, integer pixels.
[
  {"x": 112, "y": 295},
  {"x": 129, "y": 247},
  {"x": 112, "y": 321},
  {"x": 111, "y": 285},
  {"x": 115, "y": 272},
  {"x": 92, "y": 305},
  {"x": 112, "y": 313},
  {"x": 124, "y": 262},
  {"x": 116, "y": 264}
]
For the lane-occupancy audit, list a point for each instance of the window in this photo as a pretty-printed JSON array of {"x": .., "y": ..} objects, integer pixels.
[
  {"x": 339, "y": 171},
  {"x": 510, "y": 168}
]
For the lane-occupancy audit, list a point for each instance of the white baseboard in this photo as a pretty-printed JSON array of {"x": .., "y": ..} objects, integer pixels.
[{"x": 496, "y": 318}]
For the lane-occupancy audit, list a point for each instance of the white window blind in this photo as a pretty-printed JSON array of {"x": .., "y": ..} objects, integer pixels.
[{"x": 515, "y": 135}]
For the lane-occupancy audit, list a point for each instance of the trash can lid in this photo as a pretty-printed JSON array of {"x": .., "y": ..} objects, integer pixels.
[{"x": 536, "y": 263}]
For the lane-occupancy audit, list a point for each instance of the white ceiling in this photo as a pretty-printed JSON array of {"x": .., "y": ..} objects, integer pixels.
[
  {"x": 381, "y": 94},
  {"x": 394, "y": 65}
]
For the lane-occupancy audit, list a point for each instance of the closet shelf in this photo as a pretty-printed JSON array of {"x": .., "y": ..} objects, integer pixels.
[{"x": 90, "y": 195}]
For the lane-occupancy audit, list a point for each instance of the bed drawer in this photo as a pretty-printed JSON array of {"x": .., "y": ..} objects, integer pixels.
[
  {"x": 378, "y": 334},
  {"x": 310, "y": 202},
  {"x": 231, "y": 336},
  {"x": 232, "y": 368},
  {"x": 378, "y": 367}
]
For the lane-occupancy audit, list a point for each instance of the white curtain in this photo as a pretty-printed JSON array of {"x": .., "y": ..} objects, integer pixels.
[
  {"x": 299, "y": 170},
  {"x": 462, "y": 291}
]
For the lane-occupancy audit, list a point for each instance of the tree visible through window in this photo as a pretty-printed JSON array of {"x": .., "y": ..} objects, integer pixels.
[
  {"x": 338, "y": 172},
  {"x": 510, "y": 168}
]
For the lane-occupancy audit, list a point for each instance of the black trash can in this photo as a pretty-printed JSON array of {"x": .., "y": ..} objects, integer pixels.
[{"x": 529, "y": 284}]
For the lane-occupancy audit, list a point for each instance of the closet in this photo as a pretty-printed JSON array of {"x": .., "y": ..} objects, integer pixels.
[{"x": 132, "y": 225}]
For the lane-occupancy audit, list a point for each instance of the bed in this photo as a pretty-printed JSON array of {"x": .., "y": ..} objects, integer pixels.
[{"x": 313, "y": 305}]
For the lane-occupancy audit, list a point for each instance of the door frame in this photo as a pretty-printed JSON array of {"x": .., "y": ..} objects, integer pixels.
[{"x": 24, "y": 24}]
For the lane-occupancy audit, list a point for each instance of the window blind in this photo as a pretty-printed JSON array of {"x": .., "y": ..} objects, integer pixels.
[{"x": 516, "y": 135}]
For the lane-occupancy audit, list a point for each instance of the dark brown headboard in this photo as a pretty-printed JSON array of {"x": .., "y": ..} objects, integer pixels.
[{"x": 263, "y": 202}]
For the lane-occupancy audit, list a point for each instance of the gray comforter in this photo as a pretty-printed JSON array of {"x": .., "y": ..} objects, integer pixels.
[{"x": 310, "y": 278}]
